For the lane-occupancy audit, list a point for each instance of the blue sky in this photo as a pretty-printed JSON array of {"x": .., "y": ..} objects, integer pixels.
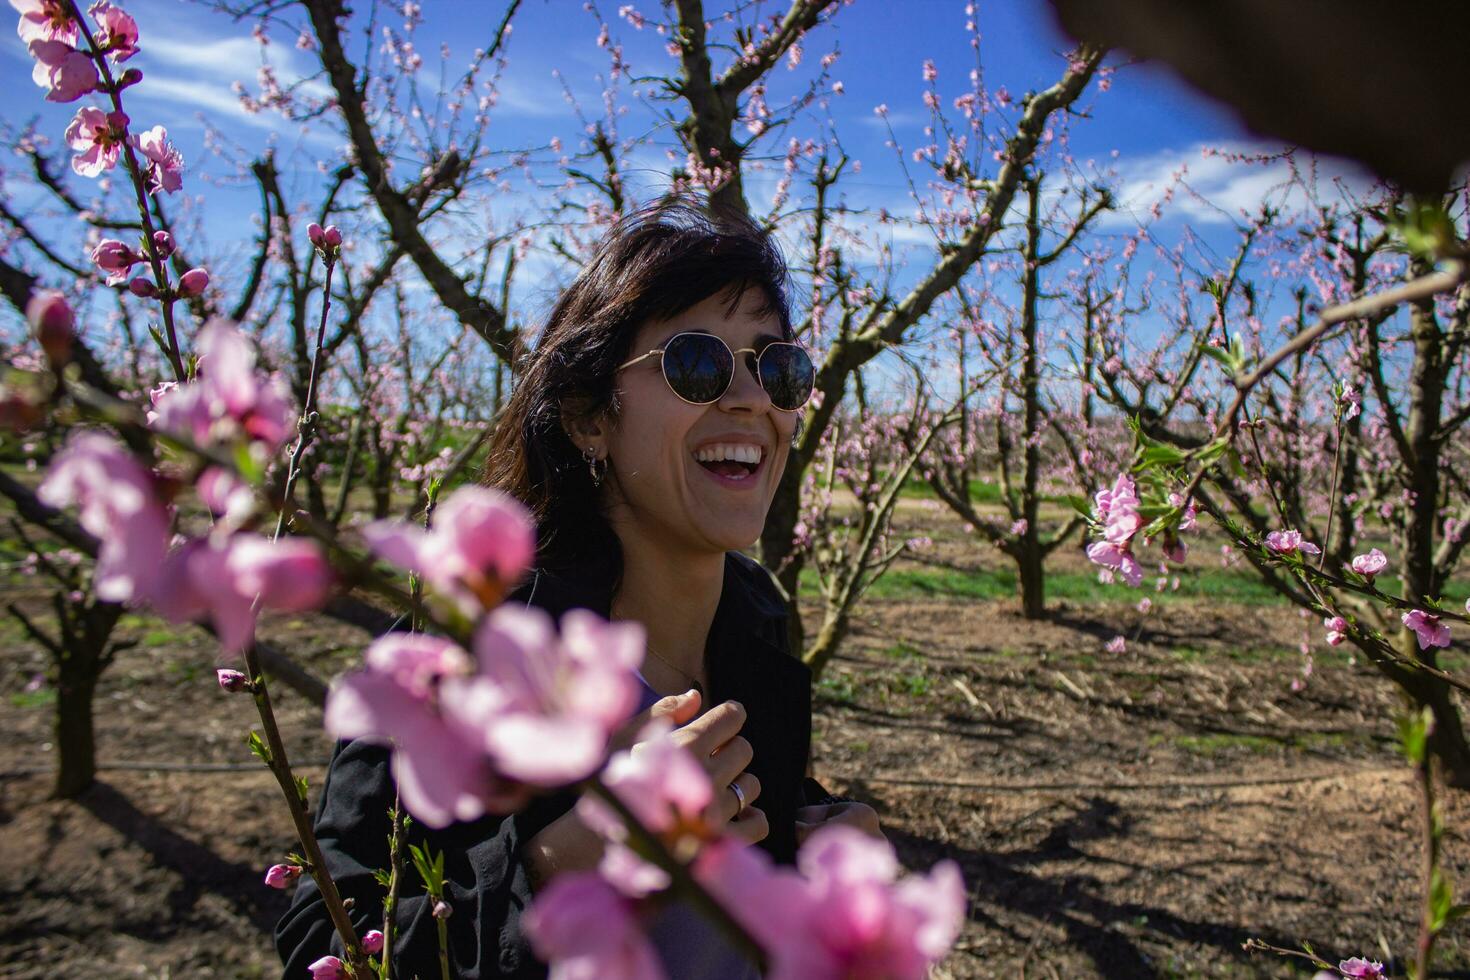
[{"x": 191, "y": 55}]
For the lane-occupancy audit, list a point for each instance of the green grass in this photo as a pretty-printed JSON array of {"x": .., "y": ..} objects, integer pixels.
[
  {"x": 34, "y": 699},
  {"x": 1219, "y": 743},
  {"x": 1081, "y": 587}
]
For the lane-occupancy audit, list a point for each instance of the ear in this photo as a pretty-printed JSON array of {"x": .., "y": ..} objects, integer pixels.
[{"x": 586, "y": 429}]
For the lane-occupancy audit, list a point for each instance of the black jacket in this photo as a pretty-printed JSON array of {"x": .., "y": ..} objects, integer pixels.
[{"x": 747, "y": 660}]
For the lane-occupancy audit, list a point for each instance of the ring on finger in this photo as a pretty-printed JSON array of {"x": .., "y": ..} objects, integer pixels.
[{"x": 739, "y": 798}]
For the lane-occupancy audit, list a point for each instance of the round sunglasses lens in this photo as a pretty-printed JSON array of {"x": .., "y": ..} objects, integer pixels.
[
  {"x": 787, "y": 375},
  {"x": 698, "y": 367}
]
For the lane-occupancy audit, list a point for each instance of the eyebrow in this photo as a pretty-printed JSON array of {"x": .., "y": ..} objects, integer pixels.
[{"x": 761, "y": 339}]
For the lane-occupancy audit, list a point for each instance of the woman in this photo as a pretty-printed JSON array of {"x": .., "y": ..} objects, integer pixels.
[{"x": 648, "y": 434}]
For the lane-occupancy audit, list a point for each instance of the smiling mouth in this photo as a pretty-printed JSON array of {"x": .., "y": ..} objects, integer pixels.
[{"x": 731, "y": 462}]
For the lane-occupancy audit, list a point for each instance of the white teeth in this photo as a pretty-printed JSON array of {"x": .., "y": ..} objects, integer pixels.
[{"x": 740, "y": 453}]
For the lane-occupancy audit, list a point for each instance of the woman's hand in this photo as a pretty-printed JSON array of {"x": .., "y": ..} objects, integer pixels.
[
  {"x": 714, "y": 739},
  {"x": 852, "y": 813}
]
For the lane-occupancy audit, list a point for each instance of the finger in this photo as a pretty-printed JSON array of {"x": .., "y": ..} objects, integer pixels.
[
  {"x": 727, "y": 805},
  {"x": 732, "y": 758},
  {"x": 714, "y": 728},
  {"x": 752, "y": 825},
  {"x": 677, "y": 708}
]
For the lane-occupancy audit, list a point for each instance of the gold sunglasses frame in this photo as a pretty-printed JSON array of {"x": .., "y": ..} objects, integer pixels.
[{"x": 734, "y": 357}]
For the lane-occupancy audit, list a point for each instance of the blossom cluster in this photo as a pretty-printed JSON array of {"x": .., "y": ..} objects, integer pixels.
[{"x": 228, "y": 575}]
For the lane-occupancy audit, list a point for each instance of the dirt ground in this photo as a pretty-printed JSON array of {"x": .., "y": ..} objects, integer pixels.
[{"x": 1134, "y": 814}]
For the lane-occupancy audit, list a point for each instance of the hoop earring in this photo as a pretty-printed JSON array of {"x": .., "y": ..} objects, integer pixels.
[{"x": 596, "y": 468}]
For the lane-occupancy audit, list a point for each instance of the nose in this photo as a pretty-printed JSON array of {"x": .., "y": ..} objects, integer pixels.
[{"x": 745, "y": 393}]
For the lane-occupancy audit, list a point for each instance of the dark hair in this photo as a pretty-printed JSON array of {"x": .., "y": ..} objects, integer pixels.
[{"x": 652, "y": 265}]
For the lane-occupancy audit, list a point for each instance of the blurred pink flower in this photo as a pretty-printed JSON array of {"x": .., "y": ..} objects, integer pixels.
[
  {"x": 328, "y": 968},
  {"x": 584, "y": 929},
  {"x": 847, "y": 914},
  {"x": 1117, "y": 645},
  {"x": 45, "y": 20},
  {"x": 226, "y": 495},
  {"x": 538, "y": 712},
  {"x": 372, "y": 942},
  {"x": 481, "y": 542},
  {"x": 165, "y": 163},
  {"x": 229, "y": 399},
  {"x": 1290, "y": 543},
  {"x": 1110, "y": 555},
  {"x": 117, "y": 33},
  {"x": 66, "y": 73},
  {"x": 114, "y": 258},
  {"x": 119, "y": 506},
  {"x": 229, "y": 580},
  {"x": 1370, "y": 564},
  {"x": 1427, "y": 627},
  {"x": 1360, "y": 968},
  {"x": 659, "y": 781},
  {"x": 396, "y": 699},
  {"x": 1336, "y": 630},
  {"x": 282, "y": 875},
  {"x": 52, "y": 322},
  {"x": 97, "y": 137}
]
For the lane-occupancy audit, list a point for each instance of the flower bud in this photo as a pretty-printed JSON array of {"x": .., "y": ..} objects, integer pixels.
[
  {"x": 442, "y": 909},
  {"x": 372, "y": 943},
  {"x": 314, "y": 233},
  {"x": 328, "y": 968},
  {"x": 164, "y": 242},
  {"x": 193, "y": 283},
  {"x": 282, "y": 875},
  {"x": 130, "y": 77},
  {"x": 232, "y": 681},
  {"x": 142, "y": 287},
  {"x": 331, "y": 237},
  {"x": 51, "y": 319}
]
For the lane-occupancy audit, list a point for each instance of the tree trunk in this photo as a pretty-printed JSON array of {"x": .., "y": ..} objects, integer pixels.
[
  {"x": 76, "y": 748},
  {"x": 1031, "y": 579},
  {"x": 834, "y": 628}
]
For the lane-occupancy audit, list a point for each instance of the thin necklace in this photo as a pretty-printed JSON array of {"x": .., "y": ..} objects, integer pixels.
[{"x": 683, "y": 673}]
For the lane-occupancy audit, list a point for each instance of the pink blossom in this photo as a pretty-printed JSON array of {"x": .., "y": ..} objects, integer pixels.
[
  {"x": 193, "y": 283},
  {"x": 1018, "y": 527},
  {"x": 372, "y": 942},
  {"x": 165, "y": 163},
  {"x": 1112, "y": 556},
  {"x": 1336, "y": 630},
  {"x": 66, "y": 73},
  {"x": 847, "y": 914},
  {"x": 1117, "y": 645},
  {"x": 229, "y": 400},
  {"x": 282, "y": 875},
  {"x": 142, "y": 287},
  {"x": 481, "y": 542},
  {"x": 114, "y": 258},
  {"x": 586, "y": 930},
  {"x": 1361, "y": 968},
  {"x": 328, "y": 968},
  {"x": 233, "y": 682},
  {"x": 51, "y": 320},
  {"x": 118, "y": 33},
  {"x": 659, "y": 781},
  {"x": 226, "y": 495},
  {"x": 1427, "y": 627},
  {"x": 97, "y": 137},
  {"x": 228, "y": 581},
  {"x": 45, "y": 20},
  {"x": 119, "y": 506},
  {"x": 538, "y": 711},
  {"x": 1290, "y": 543},
  {"x": 1370, "y": 564}
]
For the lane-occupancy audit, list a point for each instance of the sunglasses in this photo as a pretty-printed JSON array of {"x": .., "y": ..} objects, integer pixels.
[{"x": 700, "y": 367}]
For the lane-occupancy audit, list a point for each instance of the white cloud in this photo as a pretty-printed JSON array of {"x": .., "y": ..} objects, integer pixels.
[{"x": 1217, "y": 189}]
